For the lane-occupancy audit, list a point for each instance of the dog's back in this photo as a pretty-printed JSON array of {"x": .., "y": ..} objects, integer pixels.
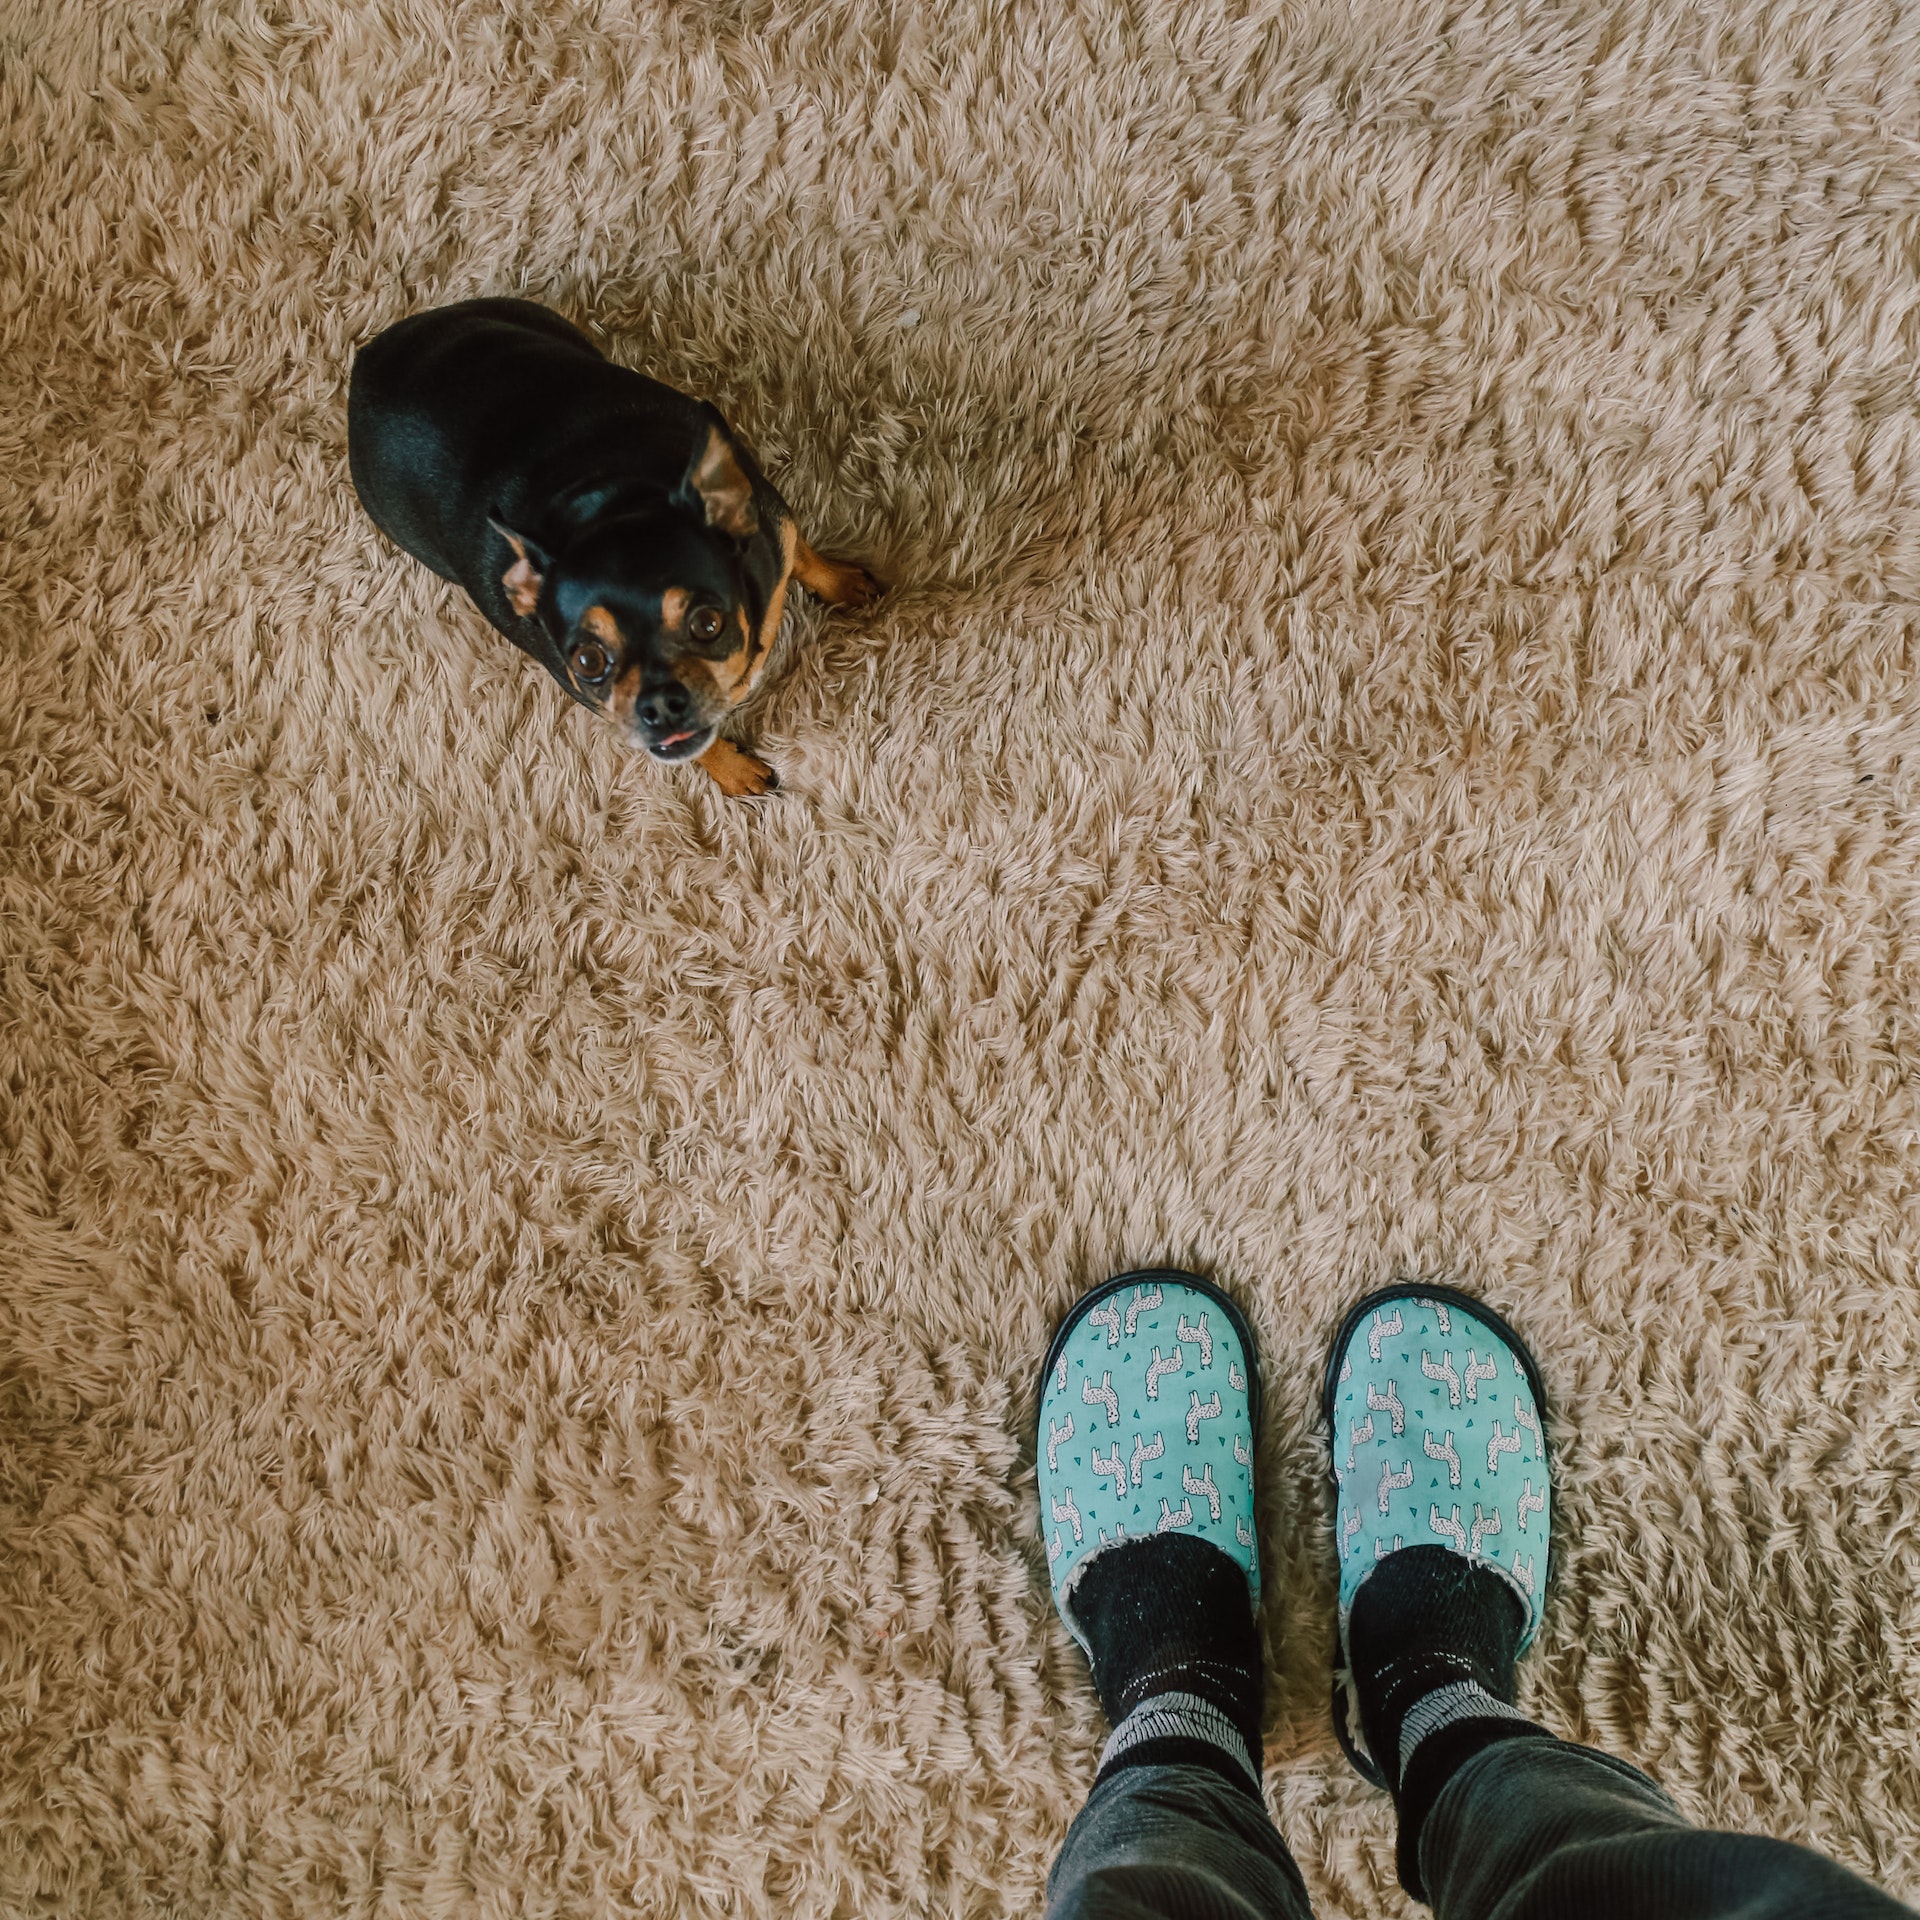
[
  {"x": 436, "y": 400},
  {"x": 487, "y": 409}
]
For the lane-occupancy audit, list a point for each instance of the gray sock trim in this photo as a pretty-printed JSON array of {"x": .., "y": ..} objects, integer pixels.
[
  {"x": 1180, "y": 1716},
  {"x": 1462, "y": 1700}
]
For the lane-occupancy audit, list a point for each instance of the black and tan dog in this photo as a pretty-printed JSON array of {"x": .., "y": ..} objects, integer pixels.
[{"x": 612, "y": 528}]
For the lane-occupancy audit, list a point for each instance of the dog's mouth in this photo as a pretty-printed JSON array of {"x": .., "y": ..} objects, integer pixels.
[{"x": 685, "y": 744}]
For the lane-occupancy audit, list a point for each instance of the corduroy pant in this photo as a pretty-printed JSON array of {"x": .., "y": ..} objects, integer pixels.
[{"x": 1530, "y": 1829}]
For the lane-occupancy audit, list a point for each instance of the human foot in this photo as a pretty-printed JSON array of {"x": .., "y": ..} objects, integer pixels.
[
  {"x": 1151, "y": 1392},
  {"x": 1436, "y": 1416}
]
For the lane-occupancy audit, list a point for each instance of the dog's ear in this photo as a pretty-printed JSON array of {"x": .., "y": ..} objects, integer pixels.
[
  {"x": 717, "y": 484},
  {"x": 524, "y": 579}
]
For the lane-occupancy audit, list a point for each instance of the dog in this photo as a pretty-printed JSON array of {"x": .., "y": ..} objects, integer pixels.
[{"x": 613, "y": 528}]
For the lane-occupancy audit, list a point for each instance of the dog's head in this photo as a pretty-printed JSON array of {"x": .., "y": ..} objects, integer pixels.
[{"x": 649, "y": 607}]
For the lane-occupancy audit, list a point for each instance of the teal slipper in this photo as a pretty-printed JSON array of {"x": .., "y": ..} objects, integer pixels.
[
  {"x": 1148, "y": 1408},
  {"x": 1437, "y": 1420}
]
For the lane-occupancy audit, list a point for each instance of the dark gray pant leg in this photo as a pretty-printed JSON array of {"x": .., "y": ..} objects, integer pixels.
[
  {"x": 1174, "y": 1843},
  {"x": 1542, "y": 1830}
]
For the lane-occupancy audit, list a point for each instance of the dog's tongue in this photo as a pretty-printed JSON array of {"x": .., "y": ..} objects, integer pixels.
[{"x": 674, "y": 739}]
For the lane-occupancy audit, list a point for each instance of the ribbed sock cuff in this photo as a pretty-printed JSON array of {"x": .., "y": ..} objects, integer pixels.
[
  {"x": 1180, "y": 1716},
  {"x": 1463, "y": 1700}
]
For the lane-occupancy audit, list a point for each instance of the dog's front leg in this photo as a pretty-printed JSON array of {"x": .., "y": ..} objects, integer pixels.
[{"x": 738, "y": 774}]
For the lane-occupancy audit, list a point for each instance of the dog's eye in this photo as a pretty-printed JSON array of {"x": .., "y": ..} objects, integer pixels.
[
  {"x": 707, "y": 623},
  {"x": 590, "y": 660}
]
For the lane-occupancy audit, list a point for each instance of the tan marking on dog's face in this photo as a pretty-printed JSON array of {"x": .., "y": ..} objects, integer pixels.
[
  {"x": 604, "y": 628},
  {"x": 733, "y": 678},
  {"x": 673, "y": 608},
  {"x": 623, "y": 693},
  {"x": 728, "y": 674},
  {"x": 701, "y": 678}
]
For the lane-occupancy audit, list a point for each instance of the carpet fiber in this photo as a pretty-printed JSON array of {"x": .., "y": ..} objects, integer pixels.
[{"x": 1392, "y": 751}]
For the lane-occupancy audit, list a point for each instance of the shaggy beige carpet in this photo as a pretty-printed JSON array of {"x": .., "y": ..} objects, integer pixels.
[{"x": 1393, "y": 751}]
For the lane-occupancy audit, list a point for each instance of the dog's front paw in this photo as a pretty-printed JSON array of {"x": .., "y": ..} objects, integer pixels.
[{"x": 738, "y": 774}]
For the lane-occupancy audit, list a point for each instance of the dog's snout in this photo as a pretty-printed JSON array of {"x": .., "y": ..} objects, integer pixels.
[{"x": 665, "y": 706}]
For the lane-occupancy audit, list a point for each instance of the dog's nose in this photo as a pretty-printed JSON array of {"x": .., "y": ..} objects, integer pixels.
[{"x": 663, "y": 707}]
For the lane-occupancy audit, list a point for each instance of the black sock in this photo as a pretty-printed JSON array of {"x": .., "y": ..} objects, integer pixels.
[
  {"x": 1428, "y": 1619},
  {"x": 1173, "y": 1615}
]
